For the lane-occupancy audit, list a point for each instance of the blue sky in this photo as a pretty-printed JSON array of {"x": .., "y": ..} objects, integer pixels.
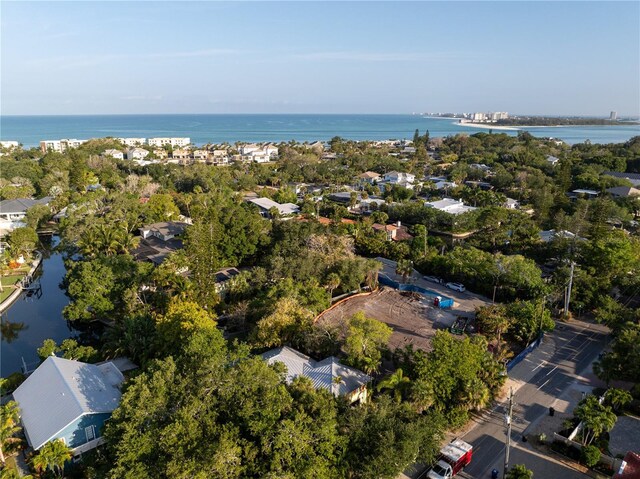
[{"x": 579, "y": 58}]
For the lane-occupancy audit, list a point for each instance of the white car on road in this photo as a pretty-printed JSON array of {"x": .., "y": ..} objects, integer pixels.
[{"x": 456, "y": 287}]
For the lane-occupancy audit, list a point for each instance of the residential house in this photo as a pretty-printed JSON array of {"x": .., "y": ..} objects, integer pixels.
[
  {"x": 13, "y": 212},
  {"x": 161, "y": 153},
  {"x": 370, "y": 177},
  {"x": 68, "y": 400},
  {"x": 132, "y": 142},
  {"x": 113, "y": 153},
  {"x": 258, "y": 153},
  {"x": 219, "y": 157},
  {"x": 549, "y": 235},
  {"x": 159, "y": 240},
  {"x": 633, "y": 178},
  {"x": 327, "y": 374},
  {"x": 582, "y": 193},
  {"x": 9, "y": 144},
  {"x": 511, "y": 204},
  {"x": 285, "y": 210},
  {"x": 623, "y": 191},
  {"x": 552, "y": 160},
  {"x": 222, "y": 279},
  {"x": 200, "y": 156},
  {"x": 396, "y": 232},
  {"x": 451, "y": 206},
  {"x": 137, "y": 154},
  {"x": 173, "y": 142},
  {"x": 182, "y": 155},
  {"x": 397, "y": 178}
]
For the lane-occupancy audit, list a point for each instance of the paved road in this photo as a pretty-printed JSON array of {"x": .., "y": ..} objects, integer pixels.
[{"x": 542, "y": 377}]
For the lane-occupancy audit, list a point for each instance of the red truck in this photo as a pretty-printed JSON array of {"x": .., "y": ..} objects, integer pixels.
[{"x": 453, "y": 458}]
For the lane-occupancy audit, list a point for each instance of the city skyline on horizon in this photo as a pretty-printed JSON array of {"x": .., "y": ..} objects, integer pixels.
[{"x": 529, "y": 58}]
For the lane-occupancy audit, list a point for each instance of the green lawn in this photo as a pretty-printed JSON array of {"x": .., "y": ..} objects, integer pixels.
[{"x": 7, "y": 285}]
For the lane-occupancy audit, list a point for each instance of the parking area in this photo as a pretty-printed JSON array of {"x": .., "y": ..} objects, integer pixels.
[
  {"x": 465, "y": 303},
  {"x": 412, "y": 317}
]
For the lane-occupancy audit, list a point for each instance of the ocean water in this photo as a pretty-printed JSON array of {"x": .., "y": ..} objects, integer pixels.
[{"x": 30, "y": 130}]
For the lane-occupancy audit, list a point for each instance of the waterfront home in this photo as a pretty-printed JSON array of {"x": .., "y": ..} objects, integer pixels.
[
  {"x": 68, "y": 400},
  {"x": 159, "y": 240},
  {"x": 200, "y": 156},
  {"x": 113, "y": 153},
  {"x": 161, "y": 153},
  {"x": 13, "y": 212},
  {"x": 219, "y": 157},
  {"x": 173, "y": 142},
  {"x": 285, "y": 210},
  {"x": 451, "y": 206},
  {"x": 9, "y": 144},
  {"x": 137, "y": 154},
  {"x": 327, "y": 374},
  {"x": 182, "y": 155}
]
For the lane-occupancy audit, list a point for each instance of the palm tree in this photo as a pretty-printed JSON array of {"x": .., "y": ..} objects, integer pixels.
[
  {"x": 519, "y": 471},
  {"x": 618, "y": 398},
  {"x": 333, "y": 281},
  {"x": 9, "y": 417},
  {"x": 404, "y": 268},
  {"x": 52, "y": 456},
  {"x": 397, "y": 382}
]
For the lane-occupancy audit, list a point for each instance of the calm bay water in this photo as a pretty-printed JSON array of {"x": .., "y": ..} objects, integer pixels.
[
  {"x": 29, "y": 130},
  {"x": 31, "y": 320}
]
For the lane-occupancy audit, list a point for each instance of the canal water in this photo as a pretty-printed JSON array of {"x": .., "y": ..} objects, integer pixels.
[{"x": 31, "y": 320}]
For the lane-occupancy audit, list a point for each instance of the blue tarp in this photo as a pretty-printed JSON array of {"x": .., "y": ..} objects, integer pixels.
[{"x": 445, "y": 302}]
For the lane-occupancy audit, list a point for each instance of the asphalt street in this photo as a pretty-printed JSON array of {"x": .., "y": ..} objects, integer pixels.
[{"x": 542, "y": 377}]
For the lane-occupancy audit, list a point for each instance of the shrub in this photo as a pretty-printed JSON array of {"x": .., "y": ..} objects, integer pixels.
[
  {"x": 542, "y": 438},
  {"x": 590, "y": 456}
]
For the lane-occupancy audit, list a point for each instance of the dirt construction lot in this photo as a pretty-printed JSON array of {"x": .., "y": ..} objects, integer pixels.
[{"x": 412, "y": 317}]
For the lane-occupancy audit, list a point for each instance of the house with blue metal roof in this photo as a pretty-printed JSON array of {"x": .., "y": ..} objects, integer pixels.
[
  {"x": 68, "y": 400},
  {"x": 328, "y": 374}
]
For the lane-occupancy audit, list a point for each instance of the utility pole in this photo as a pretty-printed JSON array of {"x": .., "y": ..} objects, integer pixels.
[
  {"x": 568, "y": 291},
  {"x": 507, "y": 420}
]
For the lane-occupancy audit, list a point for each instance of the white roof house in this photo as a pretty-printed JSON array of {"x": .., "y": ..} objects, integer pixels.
[
  {"x": 552, "y": 160},
  {"x": 113, "y": 153},
  {"x": 451, "y": 206},
  {"x": 327, "y": 374},
  {"x": 397, "y": 178},
  {"x": 68, "y": 400},
  {"x": 265, "y": 204},
  {"x": 137, "y": 154}
]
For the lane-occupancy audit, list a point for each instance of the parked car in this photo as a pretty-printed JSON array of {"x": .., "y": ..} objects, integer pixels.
[
  {"x": 433, "y": 279},
  {"x": 456, "y": 286}
]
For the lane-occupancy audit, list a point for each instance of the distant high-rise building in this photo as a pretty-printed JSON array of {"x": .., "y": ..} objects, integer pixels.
[{"x": 613, "y": 116}]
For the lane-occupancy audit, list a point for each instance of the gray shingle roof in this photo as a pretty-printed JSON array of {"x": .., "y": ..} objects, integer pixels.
[
  {"x": 62, "y": 390},
  {"x": 21, "y": 205},
  {"x": 327, "y": 374}
]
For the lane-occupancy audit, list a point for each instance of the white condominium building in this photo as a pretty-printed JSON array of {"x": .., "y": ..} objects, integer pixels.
[
  {"x": 132, "y": 141},
  {"x": 60, "y": 145},
  {"x": 180, "y": 142}
]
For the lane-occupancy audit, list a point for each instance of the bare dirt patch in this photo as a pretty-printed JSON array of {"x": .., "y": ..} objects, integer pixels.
[{"x": 412, "y": 317}]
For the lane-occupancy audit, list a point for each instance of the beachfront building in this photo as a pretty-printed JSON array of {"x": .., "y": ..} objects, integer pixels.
[
  {"x": 70, "y": 401},
  {"x": 219, "y": 157},
  {"x": 132, "y": 141},
  {"x": 449, "y": 205},
  {"x": 60, "y": 146},
  {"x": 173, "y": 142},
  {"x": 113, "y": 153},
  {"x": 327, "y": 374},
  {"x": 9, "y": 144}
]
